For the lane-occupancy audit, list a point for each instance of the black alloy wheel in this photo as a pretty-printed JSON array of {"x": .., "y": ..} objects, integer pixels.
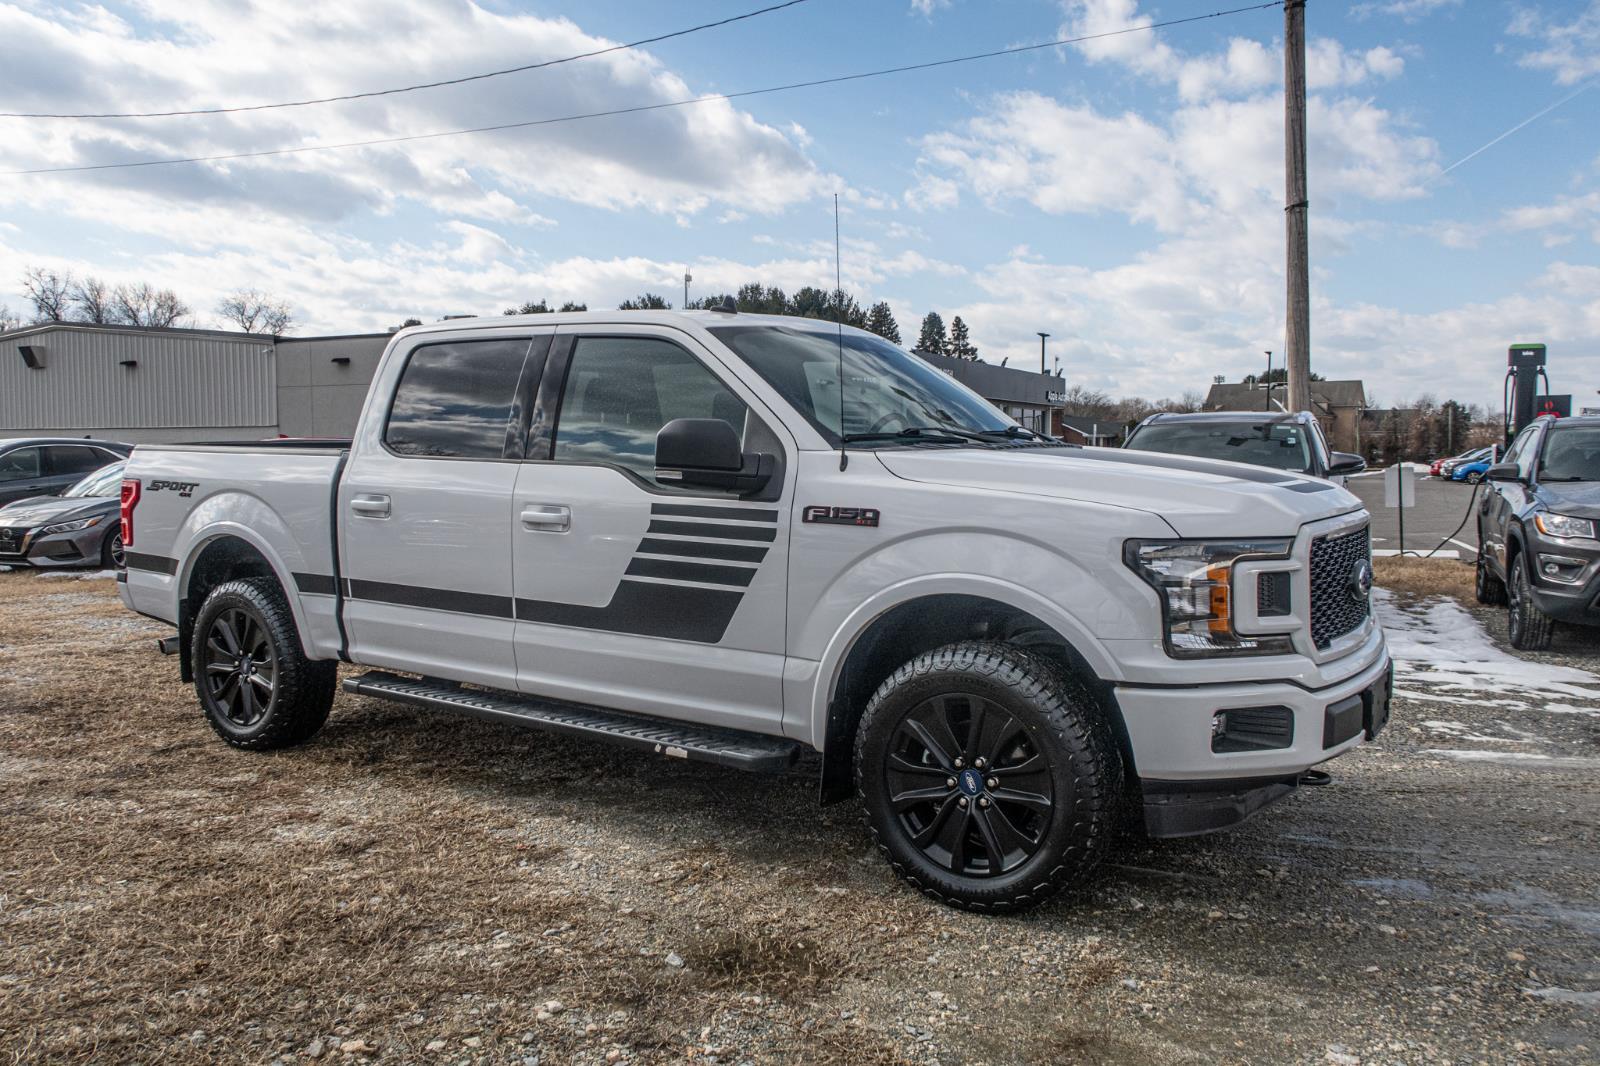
[
  {"x": 241, "y": 667},
  {"x": 968, "y": 786}
]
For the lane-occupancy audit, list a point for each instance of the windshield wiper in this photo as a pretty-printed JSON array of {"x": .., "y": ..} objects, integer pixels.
[{"x": 913, "y": 435}]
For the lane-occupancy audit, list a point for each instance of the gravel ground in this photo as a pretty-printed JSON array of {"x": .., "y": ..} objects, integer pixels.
[{"x": 421, "y": 889}]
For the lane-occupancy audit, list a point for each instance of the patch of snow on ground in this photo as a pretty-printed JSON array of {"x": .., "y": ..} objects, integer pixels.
[
  {"x": 56, "y": 575},
  {"x": 97, "y": 575},
  {"x": 1566, "y": 708},
  {"x": 1566, "y": 995},
  {"x": 1524, "y": 758},
  {"x": 1462, "y": 731},
  {"x": 1438, "y": 642}
]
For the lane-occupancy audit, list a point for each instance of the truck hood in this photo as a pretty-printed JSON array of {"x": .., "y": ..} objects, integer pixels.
[
  {"x": 1196, "y": 497},
  {"x": 48, "y": 510}
]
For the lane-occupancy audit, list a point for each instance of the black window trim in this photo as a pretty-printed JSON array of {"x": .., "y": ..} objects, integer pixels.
[
  {"x": 516, "y": 422},
  {"x": 553, "y": 388}
]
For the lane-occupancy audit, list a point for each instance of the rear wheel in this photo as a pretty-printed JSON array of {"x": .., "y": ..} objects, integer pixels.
[
  {"x": 111, "y": 554},
  {"x": 988, "y": 775},
  {"x": 1474, "y": 477},
  {"x": 1530, "y": 627},
  {"x": 256, "y": 686},
  {"x": 1488, "y": 588}
]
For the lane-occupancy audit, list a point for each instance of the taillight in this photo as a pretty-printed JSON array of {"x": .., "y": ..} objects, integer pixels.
[{"x": 130, "y": 500}]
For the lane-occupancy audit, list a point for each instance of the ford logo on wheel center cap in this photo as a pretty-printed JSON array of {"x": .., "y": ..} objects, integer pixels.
[
  {"x": 1361, "y": 581},
  {"x": 971, "y": 782}
]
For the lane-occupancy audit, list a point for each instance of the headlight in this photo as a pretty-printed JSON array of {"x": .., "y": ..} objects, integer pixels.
[
  {"x": 1195, "y": 582},
  {"x": 69, "y": 527},
  {"x": 1560, "y": 525}
]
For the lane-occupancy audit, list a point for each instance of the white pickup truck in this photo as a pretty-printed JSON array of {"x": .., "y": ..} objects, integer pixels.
[{"x": 734, "y": 538}]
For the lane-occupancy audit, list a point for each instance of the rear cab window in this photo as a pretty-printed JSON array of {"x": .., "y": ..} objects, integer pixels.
[{"x": 458, "y": 400}]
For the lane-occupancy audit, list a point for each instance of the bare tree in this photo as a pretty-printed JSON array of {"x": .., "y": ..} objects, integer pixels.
[
  {"x": 1081, "y": 401},
  {"x": 256, "y": 312},
  {"x": 93, "y": 302},
  {"x": 142, "y": 305},
  {"x": 9, "y": 319},
  {"x": 49, "y": 292}
]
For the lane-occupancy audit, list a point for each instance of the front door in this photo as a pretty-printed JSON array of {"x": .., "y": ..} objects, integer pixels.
[
  {"x": 633, "y": 593},
  {"x": 425, "y": 510}
]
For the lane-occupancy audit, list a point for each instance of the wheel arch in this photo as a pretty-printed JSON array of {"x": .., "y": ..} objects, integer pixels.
[
  {"x": 918, "y": 624},
  {"x": 227, "y": 555}
]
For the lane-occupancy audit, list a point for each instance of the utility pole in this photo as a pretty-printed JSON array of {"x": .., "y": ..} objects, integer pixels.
[
  {"x": 1297, "y": 352},
  {"x": 1042, "y": 336},
  {"x": 687, "y": 277}
]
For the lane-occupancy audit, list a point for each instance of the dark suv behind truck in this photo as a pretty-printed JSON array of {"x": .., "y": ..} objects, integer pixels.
[
  {"x": 1537, "y": 547},
  {"x": 1291, "y": 442}
]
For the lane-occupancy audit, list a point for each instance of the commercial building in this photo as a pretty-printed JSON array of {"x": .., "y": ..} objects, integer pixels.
[
  {"x": 140, "y": 384},
  {"x": 1032, "y": 399}
]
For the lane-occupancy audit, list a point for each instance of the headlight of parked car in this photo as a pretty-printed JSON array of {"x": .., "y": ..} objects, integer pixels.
[
  {"x": 1560, "y": 525},
  {"x": 1195, "y": 582},
  {"x": 70, "y": 527}
]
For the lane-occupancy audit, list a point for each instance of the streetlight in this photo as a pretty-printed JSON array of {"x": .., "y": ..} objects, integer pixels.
[
  {"x": 1267, "y": 381},
  {"x": 1042, "y": 336}
]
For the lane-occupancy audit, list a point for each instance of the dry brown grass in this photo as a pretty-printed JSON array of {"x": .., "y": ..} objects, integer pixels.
[{"x": 1420, "y": 578}]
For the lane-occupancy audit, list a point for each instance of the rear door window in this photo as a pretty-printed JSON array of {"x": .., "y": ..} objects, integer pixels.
[
  {"x": 458, "y": 400},
  {"x": 74, "y": 460}
]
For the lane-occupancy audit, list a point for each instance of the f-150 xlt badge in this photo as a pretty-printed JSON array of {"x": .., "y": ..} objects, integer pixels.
[
  {"x": 841, "y": 516},
  {"x": 182, "y": 488}
]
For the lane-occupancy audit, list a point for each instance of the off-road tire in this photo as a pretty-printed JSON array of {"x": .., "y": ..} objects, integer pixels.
[
  {"x": 109, "y": 548},
  {"x": 302, "y": 689},
  {"x": 1530, "y": 628},
  {"x": 1489, "y": 589},
  {"x": 1060, "y": 718}
]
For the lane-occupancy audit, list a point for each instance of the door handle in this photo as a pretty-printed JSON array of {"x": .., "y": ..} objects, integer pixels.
[
  {"x": 370, "y": 504},
  {"x": 551, "y": 517}
]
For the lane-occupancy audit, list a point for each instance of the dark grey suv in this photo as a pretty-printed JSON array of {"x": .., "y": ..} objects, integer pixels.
[
  {"x": 1281, "y": 441},
  {"x": 45, "y": 466},
  {"x": 1537, "y": 524}
]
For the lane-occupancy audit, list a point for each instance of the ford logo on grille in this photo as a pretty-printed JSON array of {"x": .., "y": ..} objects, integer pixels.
[{"x": 1361, "y": 581}]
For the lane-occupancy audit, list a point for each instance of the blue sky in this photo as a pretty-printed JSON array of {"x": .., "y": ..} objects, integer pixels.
[{"x": 1125, "y": 195}]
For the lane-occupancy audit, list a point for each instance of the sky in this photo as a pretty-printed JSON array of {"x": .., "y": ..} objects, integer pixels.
[{"x": 1124, "y": 195}]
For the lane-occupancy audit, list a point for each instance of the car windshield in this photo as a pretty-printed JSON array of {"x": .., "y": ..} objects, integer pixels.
[
  {"x": 107, "y": 481},
  {"x": 1279, "y": 445},
  {"x": 1572, "y": 453},
  {"x": 886, "y": 390}
]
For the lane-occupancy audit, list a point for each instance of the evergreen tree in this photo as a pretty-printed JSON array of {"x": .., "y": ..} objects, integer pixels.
[
  {"x": 530, "y": 308},
  {"x": 880, "y": 320},
  {"x": 932, "y": 339},
  {"x": 843, "y": 308},
  {"x": 647, "y": 301},
  {"x": 570, "y": 306},
  {"x": 811, "y": 302},
  {"x": 960, "y": 344}
]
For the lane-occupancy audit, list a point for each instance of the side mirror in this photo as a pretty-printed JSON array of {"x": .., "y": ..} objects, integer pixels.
[
  {"x": 705, "y": 452},
  {"x": 1343, "y": 464},
  {"x": 1503, "y": 472}
]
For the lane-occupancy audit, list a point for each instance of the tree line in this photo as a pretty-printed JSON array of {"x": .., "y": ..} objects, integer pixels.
[
  {"x": 807, "y": 302},
  {"x": 57, "y": 296}
]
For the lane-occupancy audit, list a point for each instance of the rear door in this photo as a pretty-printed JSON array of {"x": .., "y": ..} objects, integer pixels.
[
  {"x": 634, "y": 593},
  {"x": 425, "y": 508}
]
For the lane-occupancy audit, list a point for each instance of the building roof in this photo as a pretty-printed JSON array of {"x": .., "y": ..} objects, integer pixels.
[
  {"x": 1245, "y": 395},
  {"x": 1002, "y": 384},
  {"x": 182, "y": 331}
]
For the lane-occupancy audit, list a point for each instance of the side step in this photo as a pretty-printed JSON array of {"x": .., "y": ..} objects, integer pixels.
[{"x": 746, "y": 751}]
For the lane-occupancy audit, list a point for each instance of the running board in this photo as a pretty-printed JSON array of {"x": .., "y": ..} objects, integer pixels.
[{"x": 745, "y": 751}]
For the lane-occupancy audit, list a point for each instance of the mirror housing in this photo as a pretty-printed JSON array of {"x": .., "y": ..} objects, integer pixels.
[
  {"x": 705, "y": 453},
  {"x": 1503, "y": 472},
  {"x": 1343, "y": 464}
]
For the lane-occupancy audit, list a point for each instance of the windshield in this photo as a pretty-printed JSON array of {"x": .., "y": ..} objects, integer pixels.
[
  {"x": 107, "y": 481},
  {"x": 1572, "y": 453},
  {"x": 1280, "y": 445},
  {"x": 886, "y": 389}
]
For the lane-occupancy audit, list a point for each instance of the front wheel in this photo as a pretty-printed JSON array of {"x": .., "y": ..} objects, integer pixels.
[
  {"x": 1530, "y": 627},
  {"x": 1474, "y": 477},
  {"x": 111, "y": 554},
  {"x": 989, "y": 778},
  {"x": 256, "y": 686}
]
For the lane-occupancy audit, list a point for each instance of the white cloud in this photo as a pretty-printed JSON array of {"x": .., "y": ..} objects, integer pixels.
[{"x": 1568, "y": 49}]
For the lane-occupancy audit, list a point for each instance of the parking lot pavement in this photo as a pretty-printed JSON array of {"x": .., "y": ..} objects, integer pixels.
[
  {"x": 413, "y": 888},
  {"x": 1439, "y": 509}
]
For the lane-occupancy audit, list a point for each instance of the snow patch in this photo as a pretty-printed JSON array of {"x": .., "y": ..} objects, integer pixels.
[
  {"x": 1558, "y": 994},
  {"x": 1462, "y": 731},
  {"x": 56, "y": 575},
  {"x": 1567, "y": 708},
  {"x": 98, "y": 575},
  {"x": 1438, "y": 643},
  {"x": 1461, "y": 755}
]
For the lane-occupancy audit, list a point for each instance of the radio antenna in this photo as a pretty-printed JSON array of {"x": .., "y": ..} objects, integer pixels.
[{"x": 838, "y": 318}]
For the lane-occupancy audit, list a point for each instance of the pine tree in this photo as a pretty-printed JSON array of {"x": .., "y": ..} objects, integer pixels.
[
  {"x": 960, "y": 344},
  {"x": 880, "y": 320},
  {"x": 570, "y": 306},
  {"x": 647, "y": 301},
  {"x": 811, "y": 302},
  {"x": 530, "y": 308},
  {"x": 932, "y": 339}
]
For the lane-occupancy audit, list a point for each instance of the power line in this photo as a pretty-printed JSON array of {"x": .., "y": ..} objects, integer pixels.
[
  {"x": 638, "y": 109},
  {"x": 425, "y": 85}
]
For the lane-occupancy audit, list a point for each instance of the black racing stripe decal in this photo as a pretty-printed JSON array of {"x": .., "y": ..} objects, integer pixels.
[
  {"x": 680, "y": 571},
  {"x": 641, "y": 608},
  {"x": 156, "y": 564},
  {"x": 739, "y": 553},
  {"x": 696, "y": 529},
  {"x": 480, "y": 603},
  {"x": 730, "y": 514},
  {"x": 315, "y": 584}
]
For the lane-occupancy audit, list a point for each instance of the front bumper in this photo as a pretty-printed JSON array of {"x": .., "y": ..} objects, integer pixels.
[
  {"x": 79, "y": 547},
  {"x": 1572, "y": 594},
  {"x": 1189, "y": 787}
]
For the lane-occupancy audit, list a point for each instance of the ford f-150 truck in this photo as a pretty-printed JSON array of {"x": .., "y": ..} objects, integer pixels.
[{"x": 735, "y": 538}]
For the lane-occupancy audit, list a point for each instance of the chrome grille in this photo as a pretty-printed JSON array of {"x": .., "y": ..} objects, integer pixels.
[{"x": 1336, "y": 608}]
